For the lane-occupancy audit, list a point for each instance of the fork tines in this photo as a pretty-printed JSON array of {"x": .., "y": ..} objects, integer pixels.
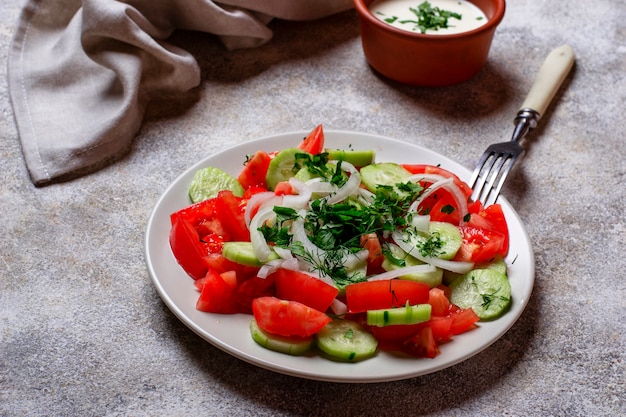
[{"x": 491, "y": 171}]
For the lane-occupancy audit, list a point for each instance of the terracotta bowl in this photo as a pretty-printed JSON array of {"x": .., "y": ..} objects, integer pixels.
[{"x": 427, "y": 60}]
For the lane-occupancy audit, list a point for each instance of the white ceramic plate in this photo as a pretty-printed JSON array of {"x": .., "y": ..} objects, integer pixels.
[{"x": 230, "y": 332}]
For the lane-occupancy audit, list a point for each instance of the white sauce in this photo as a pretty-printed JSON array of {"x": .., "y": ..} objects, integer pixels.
[{"x": 394, "y": 12}]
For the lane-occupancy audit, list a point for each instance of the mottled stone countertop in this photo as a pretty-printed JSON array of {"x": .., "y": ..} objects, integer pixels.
[{"x": 83, "y": 331}]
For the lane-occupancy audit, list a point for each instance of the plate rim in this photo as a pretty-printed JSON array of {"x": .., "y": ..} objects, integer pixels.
[{"x": 241, "y": 354}]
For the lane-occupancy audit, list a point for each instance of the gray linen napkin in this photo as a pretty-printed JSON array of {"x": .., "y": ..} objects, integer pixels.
[{"x": 81, "y": 72}]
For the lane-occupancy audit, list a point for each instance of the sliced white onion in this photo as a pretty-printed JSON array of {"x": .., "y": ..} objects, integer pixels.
[
  {"x": 316, "y": 185},
  {"x": 339, "y": 307},
  {"x": 428, "y": 192},
  {"x": 424, "y": 177},
  {"x": 259, "y": 244},
  {"x": 299, "y": 235},
  {"x": 300, "y": 200},
  {"x": 349, "y": 188},
  {"x": 395, "y": 273},
  {"x": 411, "y": 249},
  {"x": 353, "y": 260},
  {"x": 269, "y": 268},
  {"x": 283, "y": 253},
  {"x": 255, "y": 202},
  {"x": 420, "y": 223}
]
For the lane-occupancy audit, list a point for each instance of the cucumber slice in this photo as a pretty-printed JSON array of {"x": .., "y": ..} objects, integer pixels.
[
  {"x": 403, "y": 315},
  {"x": 243, "y": 254},
  {"x": 432, "y": 279},
  {"x": 282, "y": 167},
  {"x": 386, "y": 173},
  {"x": 442, "y": 241},
  {"x": 290, "y": 345},
  {"x": 209, "y": 181},
  {"x": 357, "y": 158},
  {"x": 487, "y": 291},
  {"x": 346, "y": 340}
]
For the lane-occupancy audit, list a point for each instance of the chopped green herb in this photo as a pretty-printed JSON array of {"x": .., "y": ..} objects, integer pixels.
[{"x": 448, "y": 209}]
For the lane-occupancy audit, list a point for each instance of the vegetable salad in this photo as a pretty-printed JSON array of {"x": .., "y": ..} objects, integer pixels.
[{"x": 329, "y": 249}]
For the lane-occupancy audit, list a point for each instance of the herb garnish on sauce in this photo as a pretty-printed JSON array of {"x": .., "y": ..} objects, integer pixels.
[{"x": 428, "y": 17}]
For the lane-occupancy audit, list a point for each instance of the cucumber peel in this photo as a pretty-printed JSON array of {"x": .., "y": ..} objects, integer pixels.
[
  {"x": 487, "y": 291},
  {"x": 346, "y": 341},
  {"x": 432, "y": 279},
  {"x": 357, "y": 158},
  {"x": 208, "y": 182},
  {"x": 294, "y": 346},
  {"x": 409, "y": 314},
  {"x": 243, "y": 254},
  {"x": 282, "y": 167}
]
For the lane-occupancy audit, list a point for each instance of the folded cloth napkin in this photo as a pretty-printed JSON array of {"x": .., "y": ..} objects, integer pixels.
[{"x": 81, "y": 72}]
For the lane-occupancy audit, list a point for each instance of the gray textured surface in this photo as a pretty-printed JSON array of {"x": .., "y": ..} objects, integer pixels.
[{"x": 83, "y": 332}]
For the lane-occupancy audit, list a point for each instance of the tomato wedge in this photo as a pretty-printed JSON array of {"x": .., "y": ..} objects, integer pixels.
[
  {"x": 439, "y": 302},
  {"x": 186, "y": 247},
  {"x": 287, "y": 318},
  {"x": 301, "y": 287},
  {"x": 254, "y": 171},
  {"x": 375, "y": 255},
  {"x": 216, "y": 295},
  {"x": 230, "y": 209},
  {"x": 375, "y": 295},
  {"x": 480, "y": 245},
  {"x": 314, "y": 142},
  {"x": 422, "y": 345}
]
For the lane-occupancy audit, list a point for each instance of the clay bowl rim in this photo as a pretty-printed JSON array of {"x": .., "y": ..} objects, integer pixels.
[{"x": 491, "y": 24}]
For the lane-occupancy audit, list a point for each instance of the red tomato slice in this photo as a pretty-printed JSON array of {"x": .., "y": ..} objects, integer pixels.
[
  {"x": 287, "y": 318},
  {"x": 301, "y": 287},
  {"x": 375, "y": 295},
  {"x": 314, "y": 142},
  {"x": 480, "y": 245},
  {"x": 442, "y": 207},
  {"x": 230, "y": 212},
  {"x": 255, "y": 170},
  {"x": 255, "y": 189},
  {"x": 463, "y": 319},
  {"x": 392, "y": 337},
  {"x": 217, "y": 262},
  {"x": 375, "y": 255},
  {"x": 186, "y": 247},
  {"x": 252, "y": 288},
  {"x": 439, "y": 302},
  {"x": 492, "y": 218},
  {"x": 283, "y": 188},
  {"x": 441, "y": 327},
  {"x": 216, "y": 295},
  {"x": 422, "y": 345}
]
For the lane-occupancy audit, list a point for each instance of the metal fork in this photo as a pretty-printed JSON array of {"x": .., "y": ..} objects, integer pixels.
[{"x": 497, "y": 161}]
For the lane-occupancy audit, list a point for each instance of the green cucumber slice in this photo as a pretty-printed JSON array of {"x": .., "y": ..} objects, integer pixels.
[
  {"x": 243, "y": 254},
  {"x": 410, "y": 314},
  {"x": 295, "y": 346},
  {"x": 432, "y": 279},
  {"x": 386, "y": 173},
  {"x": 357, "y": 158},
  {"x": 282, "y": 167},
  {"x": 442, "y": 241},
  {"x": 487, "y": 291},
  {"x": 346, "y": 340},
  {"x": 209, "y": 181}
]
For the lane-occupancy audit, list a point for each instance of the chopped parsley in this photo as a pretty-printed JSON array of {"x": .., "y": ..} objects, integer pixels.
[{"x": 427, "y": 17}]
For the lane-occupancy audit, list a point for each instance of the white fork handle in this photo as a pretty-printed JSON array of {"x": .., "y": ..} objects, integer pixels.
[{"x": 551, "y": 75}]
